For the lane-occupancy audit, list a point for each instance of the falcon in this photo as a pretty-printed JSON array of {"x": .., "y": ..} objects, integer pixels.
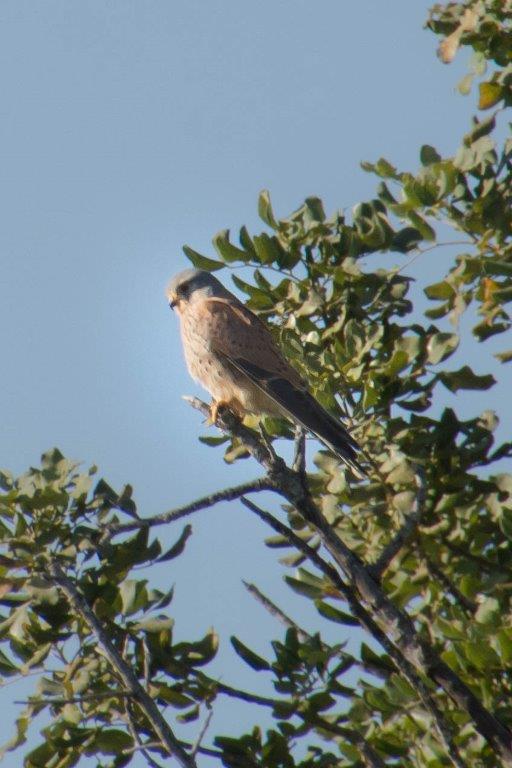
[{"x": 231, "y": 353}]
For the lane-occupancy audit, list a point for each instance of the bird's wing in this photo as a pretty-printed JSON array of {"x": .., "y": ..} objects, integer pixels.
[{"x": 237, "y": 335}]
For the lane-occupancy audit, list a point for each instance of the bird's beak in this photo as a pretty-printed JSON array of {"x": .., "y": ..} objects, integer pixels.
[{"x": 172, "y": 301}]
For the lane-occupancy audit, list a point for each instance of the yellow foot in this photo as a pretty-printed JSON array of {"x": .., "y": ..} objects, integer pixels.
[{"x": 215, "y": 407}]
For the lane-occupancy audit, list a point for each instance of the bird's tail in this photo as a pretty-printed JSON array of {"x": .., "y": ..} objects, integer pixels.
[
  {"x": 301, "y": 406},
  {"x": 335, "y": 437}
]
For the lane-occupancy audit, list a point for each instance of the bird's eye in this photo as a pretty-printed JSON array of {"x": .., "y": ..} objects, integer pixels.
[{"x": 183, "y": 290}]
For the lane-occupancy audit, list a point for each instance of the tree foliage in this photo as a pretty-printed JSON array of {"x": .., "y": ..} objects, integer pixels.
[{"x": 419, "y": 555}]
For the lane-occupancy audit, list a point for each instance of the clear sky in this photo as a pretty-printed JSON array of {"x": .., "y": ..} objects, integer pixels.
[{"x": 128, "y": 129}]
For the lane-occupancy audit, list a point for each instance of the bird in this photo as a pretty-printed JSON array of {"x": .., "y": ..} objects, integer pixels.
[{"x": 233, "y": 355}]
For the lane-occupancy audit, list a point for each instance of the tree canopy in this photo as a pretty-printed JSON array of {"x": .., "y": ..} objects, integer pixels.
[{"x": 417, "y": 556}]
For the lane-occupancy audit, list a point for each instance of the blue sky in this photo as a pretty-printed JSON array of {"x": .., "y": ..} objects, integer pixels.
[{"x": 129, "y": 129}]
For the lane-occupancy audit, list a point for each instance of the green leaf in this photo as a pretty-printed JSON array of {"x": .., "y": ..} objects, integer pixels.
[
  {"x": 267, "y": 248},
  {"x": 71, "y": 714},
  {"x": 265, "y": 211},
  {"x": 440, "y": 346},
  {"x": 406, "y": 239},
  {"x": 384, "y": 169},
  {"x": 482, "y": 655},
  {"x": 488, "y": 612},
  {"x": 464, "y": 86},
  {"x": 133, "y": 595},
  {"x": 398, "y": 362},
  {"x": 6, "y": 666},
  {"x": 202, "y": 262},
  {"x": 429, "y": 155},
  {"x": 378, "y": 664},
  {"x": 442, "y": 290},
  {"x": 171, "y": 695},
  {"x": 226, "y": 249},
  {"x": 178, "y": 547},
  {"x": 427, "y": 232},
  {"x": 504, "y": 637},
  {"x": 200, "y": 652},
  {"x": 252, "y": 659},
  {"x": 481, "y": 128},
  {"x": 490, "y": 94},
  {"x": 334, "y": 614},
  {"x": 154, "y": 624},
  {"x": 504, "y": 357},
  {"x": 464, "y": 378},
  {"x": 213, "y": 440},
  {"x": 110, "y": 741}
]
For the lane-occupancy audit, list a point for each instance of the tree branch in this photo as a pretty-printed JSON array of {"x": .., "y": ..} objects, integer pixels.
[
  {"x": 468, "y": 605},
  {"x": 160, "y": 726},
  {"x": 368, "y": 754},
  {"x": 274, "y": 610},
  {"x": 370, "y": 757},
  {"x": 405, "y": 533},
  {"x": 403, "y": 665},
  {"x": 202, "y": 733},
  {"x": 250, "y": 698},
  {"x": 406, "y": 645},
  {"x": 228, "y": 494}
]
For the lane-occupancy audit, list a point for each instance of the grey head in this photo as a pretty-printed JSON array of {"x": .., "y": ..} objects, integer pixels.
[{"x": 193, "y": 284}]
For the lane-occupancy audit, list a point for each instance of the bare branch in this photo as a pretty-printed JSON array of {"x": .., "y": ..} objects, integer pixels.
[
  {"x": 228, "y": 494},
  {"x": 202, "y": 733},
  {"x": 275, "y": 611},
  {"x": 141, "y": 746},
  {"x": 160, "y": 726}
]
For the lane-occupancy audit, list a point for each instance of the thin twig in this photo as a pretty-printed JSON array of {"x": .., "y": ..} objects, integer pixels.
[
  {"x": 202, "y": 733},
  {"x": 275, "y": 611},
  {"x": 83, "y": 698},
  {"x": 250, "y": 698},
  {"x": 140, "y": 746},
  {"x": 160, "y": 726},
  {"x": 421, "y": 251},
  {"x": 303, "y": 636},
  {"x": 468, "y": 605},
  {"x": 405, "y": 533},
  {"x": 228, "y": 494}
]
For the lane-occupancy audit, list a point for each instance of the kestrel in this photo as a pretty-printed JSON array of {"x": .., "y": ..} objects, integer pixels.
[{"x": 230, "y": 352}]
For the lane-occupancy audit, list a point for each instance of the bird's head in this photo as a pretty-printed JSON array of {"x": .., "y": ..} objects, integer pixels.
[{"x": 192, "y": 285}]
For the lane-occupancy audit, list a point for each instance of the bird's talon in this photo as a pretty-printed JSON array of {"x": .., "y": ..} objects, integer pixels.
[{"x": 215, "y": 407}]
